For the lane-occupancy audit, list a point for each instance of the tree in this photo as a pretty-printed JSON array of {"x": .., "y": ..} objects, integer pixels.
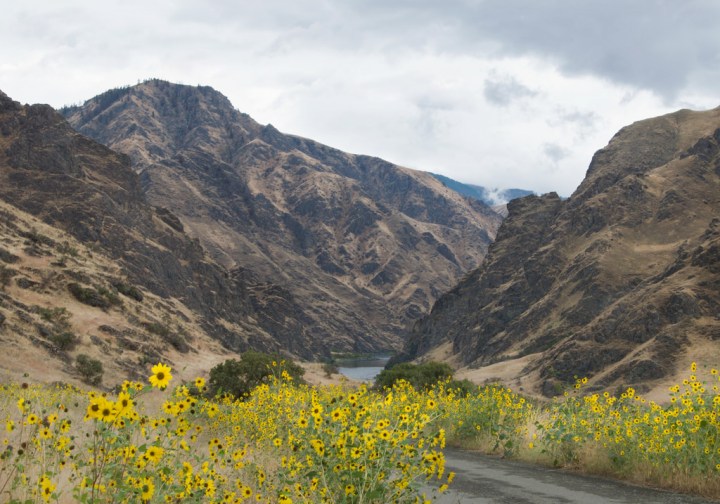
[
  {"x": 419, "y": 376},
  {"x": 239, "y": 377}
]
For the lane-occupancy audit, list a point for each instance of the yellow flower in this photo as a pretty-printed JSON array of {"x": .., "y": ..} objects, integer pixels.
[
  {"x": 46, "y": 488},
  {"x": 95, "y": 407},
  {"x": 147, "y": 488},
  {"x": 124, "y": 404},
  {"x": 107, "y": 412},
  {"x": 154, "y": 454},
  {"x": 161, "y": 376}
]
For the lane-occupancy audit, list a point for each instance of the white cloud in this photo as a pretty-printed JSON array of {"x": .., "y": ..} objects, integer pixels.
[{"x": 498, "y": 93}]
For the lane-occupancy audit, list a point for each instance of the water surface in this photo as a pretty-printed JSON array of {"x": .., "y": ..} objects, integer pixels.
[{"x": 363, "y": 368}]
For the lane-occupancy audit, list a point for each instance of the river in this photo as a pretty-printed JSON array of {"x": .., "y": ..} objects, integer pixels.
[{"x": 362, "y": 368}]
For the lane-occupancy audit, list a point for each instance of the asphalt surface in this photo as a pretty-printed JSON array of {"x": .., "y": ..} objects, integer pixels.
[{"x": 486, "y": 480}]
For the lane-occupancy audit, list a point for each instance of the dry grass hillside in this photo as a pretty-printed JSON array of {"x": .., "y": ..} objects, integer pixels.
[{"x": 45, "y": 327}]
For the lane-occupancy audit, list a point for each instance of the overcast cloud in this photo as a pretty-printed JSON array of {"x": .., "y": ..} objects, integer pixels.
[{"x": 501, "y": 93}]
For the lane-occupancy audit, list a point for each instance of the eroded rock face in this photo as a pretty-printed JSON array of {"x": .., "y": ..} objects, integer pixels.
[
  {"x": 90, "y": 191},
  {"x": 614, "y": 283},
  {"x": 345, "y": 235}
]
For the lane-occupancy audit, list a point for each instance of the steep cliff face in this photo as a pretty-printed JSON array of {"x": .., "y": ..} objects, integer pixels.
[
  {"x": 364, "y": 245},
  {"x": 619, "y": 282},
  {"x": 91, "y": 192}
]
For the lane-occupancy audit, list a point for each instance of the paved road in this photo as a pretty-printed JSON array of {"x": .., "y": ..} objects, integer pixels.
[{"x": 487, "y": 480}]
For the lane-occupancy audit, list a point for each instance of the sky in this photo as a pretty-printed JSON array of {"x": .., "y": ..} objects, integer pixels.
[{"x": 499, "y": 93}]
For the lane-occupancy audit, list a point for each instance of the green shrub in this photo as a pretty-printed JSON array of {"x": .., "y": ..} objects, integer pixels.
[
  {"x": 66, "y": 249},
  {"x": 176, "y": 339},
  {"x": 91, "y": 370},
  {"x": 8, "y": 257},
  {"x": 129, "y": 290},
  {"x": 99, "y": 297},
  {"x": 88, "y": 296},
  {"x": 330, "y": 368},
  {"x": 6, "y": 274},
  {"x": 34, "y": 236},
  {"x": 110, "y": 295},
  {"x": 58, "y": 316},
  {"x": 65, "y": 341},
  {"x": 157, "y": 328},
  {"x": 462, "y": 388},
  {"x": 239, "y": 377},
  {"x": 420, "y": 376}
]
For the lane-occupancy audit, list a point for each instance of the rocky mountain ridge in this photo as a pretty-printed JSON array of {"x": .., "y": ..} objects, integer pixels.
[
  {"x": 364, "y": 245},
  {"x": 90, "y": 192},
  {"x": 619, "y": 283}
]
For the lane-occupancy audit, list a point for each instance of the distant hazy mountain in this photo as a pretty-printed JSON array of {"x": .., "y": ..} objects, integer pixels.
[
  {"x": 490, "y": 197},
  {"x": 364, "y": 246},
  {"x": 619, "y": 283}
]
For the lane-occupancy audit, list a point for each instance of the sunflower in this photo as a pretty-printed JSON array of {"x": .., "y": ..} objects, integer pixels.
[
  {"x": 95, "y": 407},
  {"x": 46, "y": 488},
  {"x": 154, "y": 454},
  {"x": 107, "y": 412},
  {"x": 124, "y": 404},
  {"x": 161, "y": 376},
  {"x": 147, "y": 488}
]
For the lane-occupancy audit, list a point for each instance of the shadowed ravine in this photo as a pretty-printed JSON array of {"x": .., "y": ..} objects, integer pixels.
[{"x": 487, "y": 480}]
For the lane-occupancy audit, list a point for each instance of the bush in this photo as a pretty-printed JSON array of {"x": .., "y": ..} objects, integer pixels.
[
  {"x": 462, "y": 388},
  {"x": 239, "y": 378},
  {"x": 65, "y": 341},
  {"x": 8, "y": 257},
  {"x": 66, "y": 249},
  {"x": 35, "y": 237},
  {"x": 88, "y": 296},
  {"x": 6, "y": 274},
  {"x": 91, "y": 370},
  {"x": 330, "y": 368},
  {"x": 129, "y": 290},
  {"x": 110, "y": 295},
  {"x": 157, "y": 328},
  {"x": 58, "y": 316},
  {"x": 421, "y": 376},
  {"x": 99, "y": 297},
  {"x": 176, "y": 339}
]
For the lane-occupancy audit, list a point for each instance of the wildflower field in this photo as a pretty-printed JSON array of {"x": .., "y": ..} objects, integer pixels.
[{"x": 290, "y": 443}]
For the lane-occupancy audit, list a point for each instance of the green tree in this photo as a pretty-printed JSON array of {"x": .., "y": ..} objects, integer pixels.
[
  {"x": 239, "y": 377},
  {"x": 419, "y": 376}
]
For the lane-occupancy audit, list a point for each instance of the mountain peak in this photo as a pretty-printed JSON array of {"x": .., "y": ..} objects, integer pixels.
[
  {"x": 368, "y": 245},
  {"x": 618, "y": 283}
]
